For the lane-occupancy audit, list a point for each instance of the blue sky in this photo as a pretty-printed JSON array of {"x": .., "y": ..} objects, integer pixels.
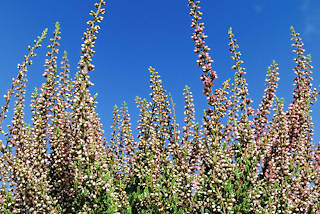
[{"x": 139, "y": 34}]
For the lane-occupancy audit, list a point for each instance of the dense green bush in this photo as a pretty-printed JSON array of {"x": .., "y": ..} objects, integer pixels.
[{"x": 239, "y": 160}]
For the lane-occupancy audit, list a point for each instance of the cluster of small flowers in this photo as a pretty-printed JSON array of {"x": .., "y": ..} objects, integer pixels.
[
  {"x": 237, "y": 161},
  {"x": 282, "y": 147}
]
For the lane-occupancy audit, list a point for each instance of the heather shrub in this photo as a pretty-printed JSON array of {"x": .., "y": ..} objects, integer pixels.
[{"x": 237, "y": 160}]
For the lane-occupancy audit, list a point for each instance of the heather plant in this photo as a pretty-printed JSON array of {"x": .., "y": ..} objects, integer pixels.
[{"x": 238, "y": 160}]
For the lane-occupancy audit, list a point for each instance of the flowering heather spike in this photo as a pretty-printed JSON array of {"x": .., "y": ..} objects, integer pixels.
[
  {"x": 41, "y": 130},
  {"x": 89, "y": 38},
  {"x": 45, "y": 100},
  {"x": 276, "y": 167},
  {"x": 238, "y": 100},
  {"x": 116, "y": 158},
  {"x": 113, "y": 147},
  {"x": 260, "y": 121},
  {"x": 239, "y": 124},
  {"x": 22, "y": 70},
  {"x": 126, "y": 134},
  {"x": 221, "y": 106},
  {"x": 61, "y": 173},
  {"x": 212, "y": 118},
  {"x": 160, "y": 110},
  {"x": 17, "y": 136},
  {"x": 189, "y": 113},
  {"x": 90, "y": 161},
  {"x": 154, "y": 179},
  {"x": 300, "y": 131},
  {"x": 204, "y": 60},
  {"x": 267, "y": 100},
  {"x": 186, "y": 156},
  {"x": 175, "y": 125},
  {"x": 243, "y": 151},
  {"x": 303, "y": 70},
  {"x": 124, "y": 150},
  {"x": 240, "y": 90}
]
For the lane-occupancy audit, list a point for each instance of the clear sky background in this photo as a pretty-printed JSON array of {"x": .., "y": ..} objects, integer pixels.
[{"x": 142, "y": 33}]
